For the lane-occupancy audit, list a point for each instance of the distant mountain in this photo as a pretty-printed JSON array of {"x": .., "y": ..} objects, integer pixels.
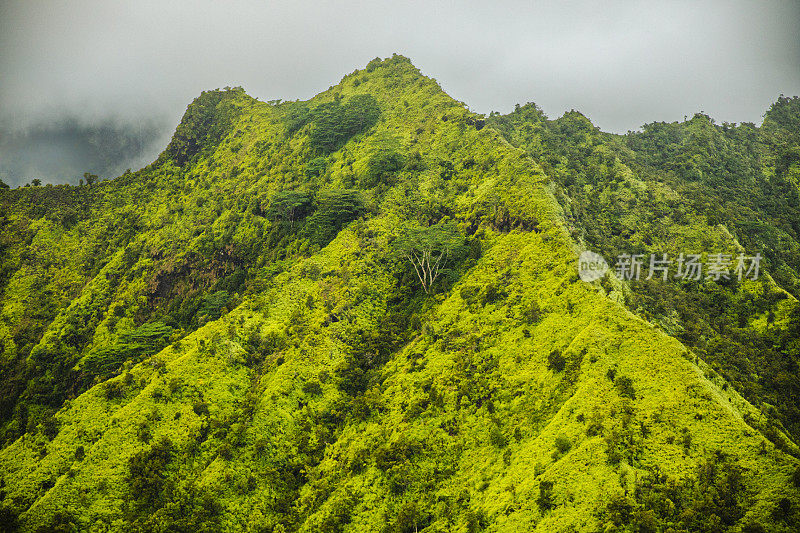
[{"x": 363, "y": 312}]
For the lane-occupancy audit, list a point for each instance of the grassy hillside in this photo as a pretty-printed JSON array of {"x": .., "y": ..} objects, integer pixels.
[
  {"x": 233, "y": 339},
  {"x": 694, "y": 187}
]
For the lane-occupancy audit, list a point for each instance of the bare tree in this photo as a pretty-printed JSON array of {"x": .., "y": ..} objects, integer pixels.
[{"x": 429, "y": 249}]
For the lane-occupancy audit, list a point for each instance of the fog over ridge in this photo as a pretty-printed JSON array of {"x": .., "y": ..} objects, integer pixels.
[{"x": 72, "y": 70}]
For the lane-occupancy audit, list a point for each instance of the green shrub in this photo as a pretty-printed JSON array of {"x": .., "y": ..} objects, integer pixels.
[
  {"x": 414, "y": 162},
  {"x": 50, "y": 427},
  {"x": 144, "y": 433},
  {"x": 491, "y": 293},
  {"x": 496, "y": 436},
  {"x": 114, "y": 389},
  {"x": 297, "y": 115},
  {"x": 796, "y": 477},
  {"x": 316, "y": 167},
  {"x": 9, "y": 518},
  {"x": 225, "y": 451},
  {"x": 531, "y": 312},
  {"x": 624, "y": 385},
  {"x": 686, "y": 439},
  {"x": 783, "y": 511},
  {"x": 147, "y": 473},
  {"x": 545, "y": 498},
  {"x": 613, "y": 452},
  {"x": 563, "y": 445},
  {"x": 469, "y": 293},
  {"x": 200, "y": 408},
  {"x": 410, "y": 519},
  {"x": 312, "y": 387},
  {"x": 61, "y": 521},
  {"x": 556, "y": 361}
]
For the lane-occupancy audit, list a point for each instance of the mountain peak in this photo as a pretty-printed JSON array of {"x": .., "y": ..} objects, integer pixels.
[
  {"x": 206, "y": 121},
  {"x": 364, "y": 311}
]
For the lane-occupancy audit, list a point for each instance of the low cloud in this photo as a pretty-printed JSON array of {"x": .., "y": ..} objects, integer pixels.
[
  {"x": 113, "y": 66},
  {"x": 62, "y": 150}
]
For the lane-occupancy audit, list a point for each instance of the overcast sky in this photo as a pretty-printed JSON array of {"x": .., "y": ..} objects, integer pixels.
[{"x": 135, "y": 66}]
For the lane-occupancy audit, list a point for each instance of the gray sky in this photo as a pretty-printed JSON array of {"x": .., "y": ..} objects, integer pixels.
[{"x": 136, "y": 65}]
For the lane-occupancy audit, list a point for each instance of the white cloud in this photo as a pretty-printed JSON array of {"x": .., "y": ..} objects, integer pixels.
[{"x": 621, "y": 63}]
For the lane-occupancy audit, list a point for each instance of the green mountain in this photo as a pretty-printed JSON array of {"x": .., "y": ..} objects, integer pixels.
[
  {"x": 693, "y": 187},
  {"x": 362, "y": 312}
]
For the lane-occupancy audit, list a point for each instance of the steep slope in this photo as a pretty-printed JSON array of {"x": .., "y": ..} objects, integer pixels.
[
  {"x": 694, "y": 187},
  {"x": 244, "y": 349}
]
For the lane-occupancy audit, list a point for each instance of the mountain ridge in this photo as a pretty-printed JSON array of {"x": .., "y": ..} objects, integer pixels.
[{"x": 289, "y": 379}]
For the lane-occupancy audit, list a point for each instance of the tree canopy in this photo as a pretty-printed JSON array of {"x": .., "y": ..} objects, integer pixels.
[{"x": 430, "y": 249}]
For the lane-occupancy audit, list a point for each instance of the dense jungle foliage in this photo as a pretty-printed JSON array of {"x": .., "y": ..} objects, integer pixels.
[
  {"x": 694, "y": 187},
  {"x": 238, "y": 338}
]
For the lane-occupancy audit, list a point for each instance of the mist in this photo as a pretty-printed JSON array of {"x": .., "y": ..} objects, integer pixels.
[
  {"x": 99, "y": 86},
  {"x": 62, "y": 151}
]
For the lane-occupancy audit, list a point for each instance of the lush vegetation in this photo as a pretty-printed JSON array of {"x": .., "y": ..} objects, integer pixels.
[
  {"x": 238, "y": 337},
  {"x": 694, "y": 187}
]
